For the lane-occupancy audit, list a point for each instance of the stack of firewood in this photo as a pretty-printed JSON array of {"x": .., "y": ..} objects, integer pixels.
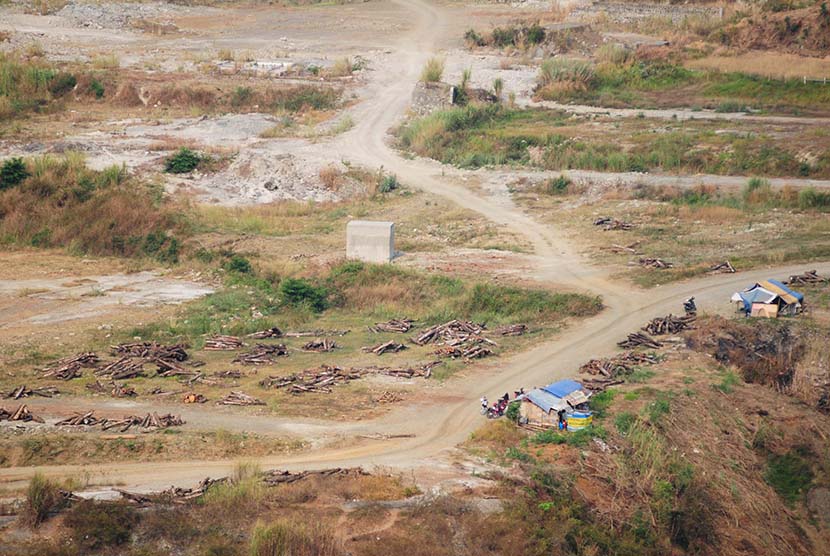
[
  {"x": 386, "y": 347},
  {"x": 240, "y": 398},
  {"x": 122, "y": 369},
  {"x": 651, "y": 262},
  {"x": 668, "y": 325},
  {"x": 400, "y": 325},
  {"x": 115, "y": 390},
  {"x": 638, "y": 339},
  {"x": 511, "y": 330},
  {"x": 614, "y": 370},
  {"x": 807, "y": 278},
  {"x": 316, "y": 333},
  {"x": 276, "y": 477},
  {"x": 452, "y": 330},
  {"x": 320, "y": 345},
  {"x": 193, "y": 397},
  {"x": 151, "y": 350},
  {"x": 26, "y": 392},
  {"x": 725, "y": 267},
  {"x": 267, "y": 333},
  {"x": 312, "y": 380},
  {"x": 261, "y": 354},
  {"x": 223, "y": 343},
  {"x": 608, "y": 223},
  {"x": 87, "y": 419},
  {"x": 22, "y": 413},
  {"x": 70, "y": 367}
]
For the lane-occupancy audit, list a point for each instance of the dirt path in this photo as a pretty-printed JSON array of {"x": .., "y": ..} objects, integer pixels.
[{"x": 439, "y": 426}]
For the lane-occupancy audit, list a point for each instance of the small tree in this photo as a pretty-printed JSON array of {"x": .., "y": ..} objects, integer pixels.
[{"x": 12, "y": 173}]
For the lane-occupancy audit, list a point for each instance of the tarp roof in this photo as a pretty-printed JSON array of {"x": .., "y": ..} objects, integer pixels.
[
  {"x": 768, "y": 291},
  {"x": 545, "y": 400},
  {"x": 562, "y": 388}
]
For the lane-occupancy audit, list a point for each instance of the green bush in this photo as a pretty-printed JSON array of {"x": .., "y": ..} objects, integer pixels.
[
  {"x": 62, "y": 84},
  {"x": 472, "y": 38},
  {"x": 42, "y": 497},
  {"x": 97, "y": 525},
  {"x": 97, "y": 88},
  {"x": 512, "y": 411},
  {"x": 433, "y": 70},
  {"x": 12, "y": 173},
  {"x": 238, "y": 263},
  {"x": 624, "y": 421},
  {"x": 535, "y": 34},
  {"x": 387, "y": 183},
  {"x": 182, "y": 162},
  {"x": 241, "y": 96},
  {"x": 557, "y": 186},
  {"x": 298, "y": 291},
  {"x": 599, "y": 403},
  {"x": 160, "y": 246}
]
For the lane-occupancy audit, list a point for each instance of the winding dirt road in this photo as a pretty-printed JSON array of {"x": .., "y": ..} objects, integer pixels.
[{"x": 439, "y": 425}]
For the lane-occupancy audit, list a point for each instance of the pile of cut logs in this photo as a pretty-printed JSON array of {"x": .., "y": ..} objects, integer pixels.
[
  {"x": 223, "y": 343},
  {"x": 400, "y": 325},
  {"x": 613, "y": 370},
  {"x": 807, "y": 278},
  {"x": 638, "y": 339},
  {"x": 608, "y": 223},
  {"x": 320, "y": 345},
  {"x": 267, "y": 333},
  {"x": 511, "y": 330},
  {"x": 650, "y": 262},
  {"x": 725, "y": 267},
  {"x": 452, "y": 330},
  {"x": 276, "y": 477},
  {"x": 122, "y": 369},
  {"x": 668, "y": 324},
  {"x": 70, "y": 367},
  {"x": 26, "y": 392},
  {"x": 317, "y": 333},
  {"x": 115, "y": 390},
  {"x": 261, "y": 354},
  {"x": 631, "y": 248},
  {"x": 322, "y": 379},
  {"x": 151, "y": 350},
  {"x": 151, "y": 420},
  {"x": 386, "y": 347},
  {"x": 240, "y": 398},
  {"x": 474, "y": 347},
  {"x": 312, "y": 380},
  {"x": 192, "y": 397},
  {"x": 22, "y": 413},
  {"x": 171, "y": 368}
]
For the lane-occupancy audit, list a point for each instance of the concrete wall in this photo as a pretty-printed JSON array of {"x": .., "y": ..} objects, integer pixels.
[{"x": 373, "y": 242}]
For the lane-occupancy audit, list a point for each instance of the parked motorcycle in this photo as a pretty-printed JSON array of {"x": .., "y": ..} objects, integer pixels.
[{"x": 690, "y": 307}]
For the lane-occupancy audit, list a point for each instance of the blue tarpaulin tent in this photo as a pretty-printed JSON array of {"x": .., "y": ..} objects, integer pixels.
[{"x": 562, "y": 388}]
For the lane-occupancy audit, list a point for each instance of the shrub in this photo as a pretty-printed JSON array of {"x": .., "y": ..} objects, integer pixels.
[
  {"x": 62, "y": 84},
  {"x": 433, "y": 70},
  {"x": 97, "y": 525},
  {"x": 810, "y": 197},
  {"x": 613, "y": 54},
  {"x": 238, "y": 263},
  {"x": 12, "y": 173},
  {"x": 298, "y": 291},
  {"x": 624, "y": 421},
  {"x": 757, "y": 190},
  {"x": 285, "y": 538},
  {"x": 560, "y": 70},
  {"x": 557, "y": 186},
  {"x": 182, "y": 162},
  {"x": 241, "y": 96},
  {"x": 600, "y": 402},
  {"x": 342, "y": 67},
  {"x": 535, "y": 34},
  {"x": 387, "y": 183},
  {"x": 97, "y": 88},
  {"x": 512, "y": 412},
  {"x": 472, "y": 38},
  {"x": 42, "y": 497}
]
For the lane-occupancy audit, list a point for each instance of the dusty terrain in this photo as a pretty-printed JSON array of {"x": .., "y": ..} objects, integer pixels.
[{"x": 525, "y": 241}]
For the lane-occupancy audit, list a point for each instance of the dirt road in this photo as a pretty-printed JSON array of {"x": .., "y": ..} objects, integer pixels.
[{"x": 439, "y": 426}]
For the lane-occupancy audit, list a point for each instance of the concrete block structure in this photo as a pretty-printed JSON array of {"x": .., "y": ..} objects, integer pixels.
[{"x": 373, "y": 242}]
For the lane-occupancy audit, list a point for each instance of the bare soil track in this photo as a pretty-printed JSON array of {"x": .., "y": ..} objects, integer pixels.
[{"x": 440, "y": 424}]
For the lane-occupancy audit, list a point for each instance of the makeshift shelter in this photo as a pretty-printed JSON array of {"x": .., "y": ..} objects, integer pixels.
[
  {"x": 542, "y": 406},
  {"x": 768, "y": 299}
]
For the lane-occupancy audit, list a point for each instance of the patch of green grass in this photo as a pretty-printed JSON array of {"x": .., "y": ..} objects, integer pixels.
[
  {"x": 640, "y": 375},
  {"x": 599, "y": 403},
  {"x": 656, "y": 409},
  {"x": 727, "y": 383},
  {"x": 624, "y": 421},
  {"x": 790, "y": 474}
]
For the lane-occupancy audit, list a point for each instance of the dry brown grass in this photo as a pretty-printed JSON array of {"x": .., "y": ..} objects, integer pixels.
[
  {"x": 331, "y": 177},
  {"x": 767, "y": 63}
]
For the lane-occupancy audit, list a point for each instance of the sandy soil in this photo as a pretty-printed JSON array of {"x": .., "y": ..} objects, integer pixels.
[{"x": 440, "y": 421}]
